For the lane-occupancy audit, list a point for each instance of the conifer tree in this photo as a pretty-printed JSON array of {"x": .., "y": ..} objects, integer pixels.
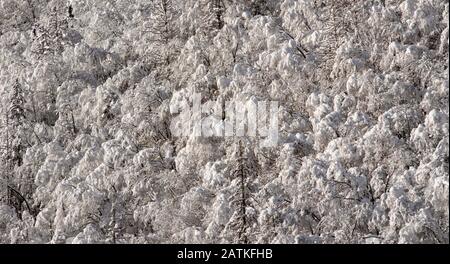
[
  {"x": 215, "y": 10},
  {"x": 50, "y": 33},
  {"x": 244, "y": 217},
  {"x": 16, "y": 119},
  {"x": 163, "y": 30}
]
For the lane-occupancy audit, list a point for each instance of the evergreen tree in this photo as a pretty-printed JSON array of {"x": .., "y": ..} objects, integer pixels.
[
  {"x": 336, "y": 28},
  {"x": 163, "y": 30},
  {"x": 214, "y": 14},
  {"x": 245, "y": 172},
  {"x": 50, "y": 33},
  {"x": 261, "y": 7},
  {"x": 16, "y": 120}
]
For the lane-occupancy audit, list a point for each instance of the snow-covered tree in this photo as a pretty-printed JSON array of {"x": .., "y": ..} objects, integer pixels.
[
  {"x": 241, "y": 227},
  {"x": 16, "y": 122},
  {"x": 89, "y": 155}
]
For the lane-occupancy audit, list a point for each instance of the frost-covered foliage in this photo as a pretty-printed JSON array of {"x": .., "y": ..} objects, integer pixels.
[{"x": 88, "y": 88}]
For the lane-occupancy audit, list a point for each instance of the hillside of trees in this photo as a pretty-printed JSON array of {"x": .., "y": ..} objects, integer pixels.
[{"x": 88, "y": 90}]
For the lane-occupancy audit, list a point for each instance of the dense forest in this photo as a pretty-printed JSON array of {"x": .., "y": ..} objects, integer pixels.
[{"x": 89, "y": 91}]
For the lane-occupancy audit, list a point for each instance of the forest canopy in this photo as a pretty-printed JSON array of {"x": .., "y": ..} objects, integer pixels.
[{"x": 88, "y": 88}]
